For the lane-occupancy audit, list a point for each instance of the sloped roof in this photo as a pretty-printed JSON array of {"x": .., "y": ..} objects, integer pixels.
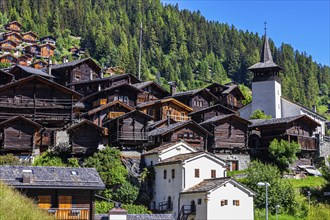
[
  {"x": 74, "y": 63},
  {"x": 273, "y": 121},
  {"x": 109, "y": 78},
  {"x": 163, "y": 147},
  {"x": 85, "y": 121},
  {"x": 19, "y": 117},
  {"x": 222, "y": 117},
  {"x": 102, "y": 107},
  {"x": 210, "y": 184},
  {"x": 9, "y": 55},
  {"x": 50, "y": 37},
  {"x": 7, "y": 41},
  {"x": 128, "y": 114},
  {"x": 193, "y": 92},
  {"x": 176, "y": 102},
  {"x": 210, "y": 109},
  {"x": 52, "y": 177},
  {"x": 142, "y": 85},
  {"x": 47, "y": 44},
  {"x": 160, "y": 122},
  {"x": 172, "y": 127},
  {"x": 30, "y": 70}
]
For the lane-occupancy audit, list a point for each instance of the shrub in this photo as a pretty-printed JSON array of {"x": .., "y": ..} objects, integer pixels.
[
  {"x": 102, "y": 207},
  {"x": 9, "y": 159},
  {"x": 258, "y": 114},
  {"x": 49, "y": 159}
]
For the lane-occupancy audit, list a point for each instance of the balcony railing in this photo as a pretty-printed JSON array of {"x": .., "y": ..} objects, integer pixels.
[
  {"x": 68, "y": 214},
  {"x": 180, "y": 117},
  {"x": 165, "y": 206}
]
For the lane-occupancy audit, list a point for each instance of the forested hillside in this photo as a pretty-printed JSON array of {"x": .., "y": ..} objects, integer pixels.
[{"x": 177, "y": 44}]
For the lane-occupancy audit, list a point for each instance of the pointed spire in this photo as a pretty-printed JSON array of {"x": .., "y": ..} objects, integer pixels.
[{"x": 266, "y": 55}]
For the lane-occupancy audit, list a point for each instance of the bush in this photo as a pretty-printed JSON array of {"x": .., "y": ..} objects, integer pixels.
[
  {"x": 258, "y": 114},
  {"x": 49, "y": 159},
  {"x": 9, "y": 159},
  {"x": 102, "y": 207},
  {"x": 127, "y": 193}
]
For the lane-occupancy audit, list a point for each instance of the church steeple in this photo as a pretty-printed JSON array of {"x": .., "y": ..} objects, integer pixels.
[{"x": 266, "y": 55}]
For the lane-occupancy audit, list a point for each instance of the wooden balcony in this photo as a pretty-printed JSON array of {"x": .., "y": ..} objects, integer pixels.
[
  {"x": 180, "y": 117},
  {"x": 68, "y": 214},
  {"x": 129, "y": 136},
  {"x": 38, "y": 103},
  {"x": 115, "y": 114},
  {"x": 99, "y": 102}
]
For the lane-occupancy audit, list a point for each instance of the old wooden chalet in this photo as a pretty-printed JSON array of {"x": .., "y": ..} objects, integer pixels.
[
  {"x": 38, "y": 99},
  {"x": 296, "y": 128},
  {"x": 189, "y": 131},
  {"x": 13, "y": 26},
  {"x": 5, "y": 77},
  {"x": 21, "y": 72},
  {"x": 48, "y": 40},
  {"x": 207, "y": 113},
  {"x": 23, "y": 60},
  {"x": 107, "y": 111},
  {"x": 46, "y": 50},
  {"x": 151, "y": 91},
  {"x": 85, "y": 138},
  {"x": 76, "y": 71},
  {"x": 18, "y": 135},
  {"x": 161, "y": 109},
  {"x": 8, "y": 58},
  {"x": 230, "y": 134},
  {"x": 32, "y": 49},
  {"x": 196, "y": 99},
  {"x": 29, "y": 37},
  {"x": 88, "y": 87},
  {"x": 13, "y": 36},
  {"x": 39, "y": 64},
  {"x": 229, "y": 95},
  {"x": 123, "y": 92},
  {"x": 130, "y": 129},
  {"x": 64, "y": 192},
  {"x": 8, "y": 45}
]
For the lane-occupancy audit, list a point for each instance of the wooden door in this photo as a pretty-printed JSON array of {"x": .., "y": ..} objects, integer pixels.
[
  {"x": 44, "y": 202},
  {"x": 234, "y": 165}
]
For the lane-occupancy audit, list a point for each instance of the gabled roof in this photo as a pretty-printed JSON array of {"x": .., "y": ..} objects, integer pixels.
[
  {"x": 30, "y": 32},
  {"x": 173, "y": 127},
  {"x": 73, "y": 64},
  {"x": 128, "y": 86},
  {"x": 215, "y": 84},
  {"x": 286, "y": 120},
  {"x": 127, "y": 115},
  {"x": 29, "y": 70},
  {"x": 14, "y": 22},
  {"x": 110, "y": 78},
  {"x": 44, "y": 177},
  {"x": 42, "y": 80},
  {"x": 194, "y": 92},
  {"x": 7, "y": 41},
  {"x": 208, "y": 185},
  {"x": 20, "y": 118},
  {"x": 44, "y": 45},
  {"x": 168, "y": 146},
  {"x": 9, "y": 55},
  {"x": 229, "y": 111},
  {"x": 174, "y": 101},
  {"x": 223, "y": 117},
  {"x": 142, "y": 85},
  {"x": 13, "y": 33},
  {"x": 102, "y": 107},
  {"x": 161, "y": 122},
  {"x": 83, "y": 122},
  {"x": 184, "y": 157}
]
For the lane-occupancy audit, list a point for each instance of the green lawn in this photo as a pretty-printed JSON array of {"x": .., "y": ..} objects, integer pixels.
[{"x": 310, "y": 181}]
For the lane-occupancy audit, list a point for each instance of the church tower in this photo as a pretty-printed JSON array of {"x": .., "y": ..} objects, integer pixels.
[{"x": 266, "y": 83}]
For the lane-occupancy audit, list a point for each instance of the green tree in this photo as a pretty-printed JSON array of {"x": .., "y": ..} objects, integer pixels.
[{"x": 258, "y": 114}]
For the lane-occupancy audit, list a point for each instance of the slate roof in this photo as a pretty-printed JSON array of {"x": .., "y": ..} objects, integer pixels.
[
  {"x": 273, "y": 121},
  {"x": 85, "y": 121},
  {"x": 142, "y": 84},
  {"x": 52, "y": 177},
  {"x": 159, "y": 149},
  {"x": 210, "y": 108},
  {"x": 157, "y": 123},
  {"x": 221, "y": 117},
  {"x": 127, "y": 114},
  {"x": 102, "y": 107},
  {"x": 166, "y": 129},
  {"x": 210, "y": 184},
  {"x": 106, "y": 78},
  {"x": 168, "y": 99},
  {"x": 139, "y": 217},
  {"x": 32, "y": 71},
  {"x": 190, "y": 92},
  {"x": 74, "y": 63}
]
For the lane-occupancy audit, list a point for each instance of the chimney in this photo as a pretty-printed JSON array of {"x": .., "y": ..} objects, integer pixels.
[
  {"x": 27, "y": 176},
  {"x": 173, "y": 87},
  {"x": 117, "y": 213},
  {"x": 314, "y": 108},
  {"x": 168, "y": 118},
  {"x": 49, "y": 69}
]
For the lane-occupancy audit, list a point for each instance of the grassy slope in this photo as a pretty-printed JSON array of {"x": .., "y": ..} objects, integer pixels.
[{"x": 14, "y": 206}]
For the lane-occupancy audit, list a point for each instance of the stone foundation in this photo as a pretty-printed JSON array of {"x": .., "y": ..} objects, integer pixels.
[{"x": 243, "y": 159}]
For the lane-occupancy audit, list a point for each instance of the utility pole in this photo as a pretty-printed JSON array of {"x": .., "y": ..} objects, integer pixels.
[{"x": 140, "y": 53}]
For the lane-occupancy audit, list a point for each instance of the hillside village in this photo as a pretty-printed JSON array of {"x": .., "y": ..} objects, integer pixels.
[{"x": 191, "y": 138}]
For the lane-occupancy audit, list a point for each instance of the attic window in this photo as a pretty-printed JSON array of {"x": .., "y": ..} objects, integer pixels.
[{"x": 73, "y": 172}]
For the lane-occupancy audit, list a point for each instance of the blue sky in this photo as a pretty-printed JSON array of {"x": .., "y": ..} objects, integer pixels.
[{"x": 304, "y": 24}]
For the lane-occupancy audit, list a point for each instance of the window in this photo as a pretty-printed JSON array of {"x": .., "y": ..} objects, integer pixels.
[
  {"x": 165, "y": 174},
  {"x": 199, "y": 201},
  {"x": 173, "y": 173},
  {"x": 235, "y": 202},
  {"x": 213, "y": 173},
  {"x": 44, "y": 202},
  {"x": 151, "y": 163},
  {"x": 224, "y": 202},
  {"x": 197, "y": 173}
]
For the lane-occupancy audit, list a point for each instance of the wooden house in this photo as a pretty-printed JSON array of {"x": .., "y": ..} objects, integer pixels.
[
  {"x": 20, "y": 72},
  {"x": 46, "y": 50},
  {"x": 130, "y": 129},
  {"x": 13, "y": 26},
  {"x": 5, "y": 78},
  {"x": 123, "y": 92},
  {"x": 13, "y": 36},
  {"x": 48, "y": 40},
  {"x": 151, "y": 91},
  {"x": 85, "y": 138},
  {"x": 229, "y": 95},
  {"x": 207, "y": 113},
  {"x": 32, "y": 49},
  {"x": 88, "y": 87},
  {"x": 18, "y": 135},
  {"x": 64, "y": 192},
  {"x": 230, "y": 134},
  {"x": 295, "y": 128},
  {"x": 76, "y": 71},
  {"x": 107, "y": 111},
  {"x": 8, "y": 58},
  {"x": 39, "y": 64},
  {"x": 161, "y": 109},
  {"x": 8, "y": 45},
  {"x": 196, "y": 99},
  {"x": 189, "y": 131},
  {"x": 23, "y": 60},
  {"x": 38, "y": 99},
  {"x": 29, "y": 37}
]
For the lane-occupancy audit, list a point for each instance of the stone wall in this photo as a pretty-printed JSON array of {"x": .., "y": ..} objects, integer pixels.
[{"x": 243, "y": 159}]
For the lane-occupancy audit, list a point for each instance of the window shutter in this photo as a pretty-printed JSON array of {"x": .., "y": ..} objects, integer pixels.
[{"x": 44, "y": 202}]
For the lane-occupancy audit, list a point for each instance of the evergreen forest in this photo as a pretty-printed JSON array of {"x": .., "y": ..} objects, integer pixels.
[{"x": 178, "y": 45}]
